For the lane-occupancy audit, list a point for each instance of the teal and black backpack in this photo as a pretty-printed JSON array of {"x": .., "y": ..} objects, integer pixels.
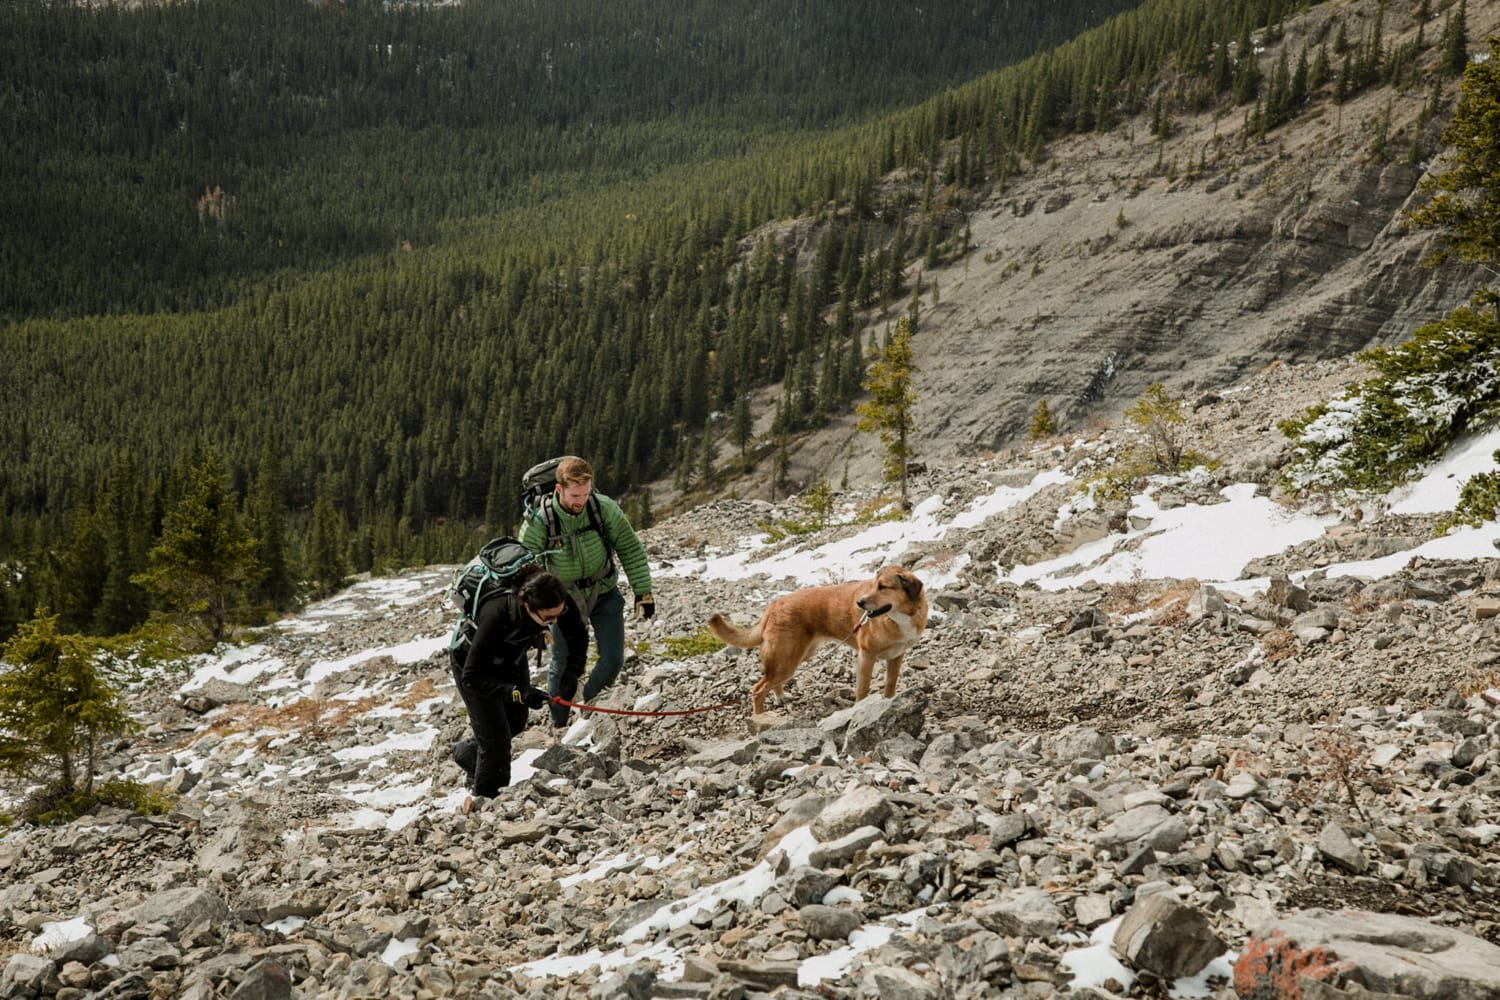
[{"x": 490, "y": 573}]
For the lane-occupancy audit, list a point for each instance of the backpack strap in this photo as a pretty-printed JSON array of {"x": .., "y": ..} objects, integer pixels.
[
  {"x": 596, "y": 520},
  {"x": 552, "y": 521}
]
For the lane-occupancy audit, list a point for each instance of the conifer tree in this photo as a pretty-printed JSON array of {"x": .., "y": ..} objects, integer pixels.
[
  {"x": 327, "y": 547},
  {"x": 55, "y": 708},
  {"x": 1042, "y": 425},
  {"x": 1466, "y": 194},
  {"x": 1456, "y": 40},
  {"x": 1247, "y": 75},
  {"x": 638, "y": 509},
  {"x": 708, "y": 451},
  {"x": 203, "y": 568},
  {"x": 266, "y": 512},
  {"x": 79, "y": 572},
  {"x": 890, "y": 410},
  {"x": 741, "y": 427}
]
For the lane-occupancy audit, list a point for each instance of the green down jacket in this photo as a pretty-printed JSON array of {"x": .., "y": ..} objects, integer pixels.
[{"x": 580, "y": 557}]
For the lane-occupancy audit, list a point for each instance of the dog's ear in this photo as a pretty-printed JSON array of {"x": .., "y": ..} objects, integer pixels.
[{"x": 911, "y": 585}]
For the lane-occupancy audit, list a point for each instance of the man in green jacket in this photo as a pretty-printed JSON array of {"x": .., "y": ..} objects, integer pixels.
[{"x": 577, "y": 533}]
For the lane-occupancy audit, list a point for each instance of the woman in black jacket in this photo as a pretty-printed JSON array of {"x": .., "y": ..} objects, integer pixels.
[{"x": 494, "y": 678}]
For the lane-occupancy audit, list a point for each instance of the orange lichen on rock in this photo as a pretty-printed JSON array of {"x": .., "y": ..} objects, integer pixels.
[{"x": 1274, "y": 967}]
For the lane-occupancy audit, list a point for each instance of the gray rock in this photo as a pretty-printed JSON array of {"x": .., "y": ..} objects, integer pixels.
[
  {"x": 1027, "y": 912},
  {"x": 828, "y": 923},
  {"x": 886, "y": 982},
  {"x": 1336, "y": 846},
  {"x": 762, "y": 975},
  {"x": 1165, "y": 936},
  {"x": 1144, "y": 826},
  {"x": 178, "y": 909},
  {"x": 805, "y": 884},
  {"x": 724, "y": 753},
  {"x": 27, "y": 976},
  {"x": 265, "y": 980},
  {"x": 860, "y": 806},
  {"x": 637, "y": 982},
  {"x": 1011, "y": 827},
  {"x": 1084, "y": 743},
  {"x": 570, "y": 762},
  {"x": 88, "y": 949},
  {"x": 837, "y": 853},
  {"x": 215, "y": 693},
  {"x": 1381, "y": 952},
  {"x": 149, "y": 953},
  {"x": 1092, "y": 910},
  {"x": 875, "y": 720}
]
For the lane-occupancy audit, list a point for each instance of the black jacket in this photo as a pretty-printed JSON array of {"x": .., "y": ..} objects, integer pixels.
[{"x": 505, "y": 634}]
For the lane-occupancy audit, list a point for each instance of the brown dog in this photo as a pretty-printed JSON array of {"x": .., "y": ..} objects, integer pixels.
[{"x": 882, "y": 618}]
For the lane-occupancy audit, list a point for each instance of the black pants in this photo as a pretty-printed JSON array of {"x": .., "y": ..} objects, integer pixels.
[{"x": 487, "y": 756}]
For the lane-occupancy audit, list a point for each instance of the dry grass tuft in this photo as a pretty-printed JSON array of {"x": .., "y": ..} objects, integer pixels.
[
  {"x": 1278, "y": 645},
  {"x": 421, "y": 691},
  {"x": 315, "y": 718}
]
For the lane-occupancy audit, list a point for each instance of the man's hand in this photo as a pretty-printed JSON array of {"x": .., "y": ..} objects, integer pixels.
[
  {"x": 536, "y": 698},
  {"x": 645, "y": 606}
]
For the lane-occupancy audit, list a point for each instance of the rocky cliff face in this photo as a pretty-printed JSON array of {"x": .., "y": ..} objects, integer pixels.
[
  {"x": 1121, "y": 261},
  {"x": 1286, "y": 787}
]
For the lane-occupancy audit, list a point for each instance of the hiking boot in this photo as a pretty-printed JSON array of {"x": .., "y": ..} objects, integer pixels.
[{"x": 465, "y": 754}]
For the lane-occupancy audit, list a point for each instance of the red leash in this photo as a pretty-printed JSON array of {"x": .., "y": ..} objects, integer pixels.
[{"x": 559, "y": 700}]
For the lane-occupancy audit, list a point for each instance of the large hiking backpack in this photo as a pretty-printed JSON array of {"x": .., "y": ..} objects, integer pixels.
[
  {"x": 537, "y": 485},
  {"x": 491, "y": 572}
]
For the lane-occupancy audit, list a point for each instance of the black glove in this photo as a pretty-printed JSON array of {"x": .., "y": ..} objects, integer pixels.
[
  {"x": 645, "y": 606},
  {"x": 536, "y": 698}
]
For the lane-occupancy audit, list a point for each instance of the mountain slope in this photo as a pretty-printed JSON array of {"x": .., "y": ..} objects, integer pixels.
[
  {"x": 1059, "y": 750},
  {"x": 1195, "y": 262}
]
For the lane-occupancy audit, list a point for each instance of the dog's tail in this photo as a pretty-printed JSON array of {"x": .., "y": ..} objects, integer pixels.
[{"x": 732, "y": 635}]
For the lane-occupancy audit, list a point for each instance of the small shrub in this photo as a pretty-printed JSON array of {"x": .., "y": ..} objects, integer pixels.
[
  {"x": 138, "y": 798},
  {"x": 57, "y": 804},
  {"x": 422, "y": 690},
  {"x": 700, "y": 643},
  {"x": 878, "y": 510},
  {"x": 1336, "y": 758},
  {"x": 1478, "y": 501},
  {"x": 1117, "y": 483},
  {"x": 1158, "y": 417},
  {"x": 1128, "y": 596},
  {"x": 157, "y": 644},
  {"x": 1478, "y": 681},
  {"x": 314, "y": 718},
  {"x": 1163, "y": 447},
  {"x": 1170, "y": 606},
  {"x": 817, "y": 503}
]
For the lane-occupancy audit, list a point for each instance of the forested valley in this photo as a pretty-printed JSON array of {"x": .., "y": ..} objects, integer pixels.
[{"x": 318, "y": 283}]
